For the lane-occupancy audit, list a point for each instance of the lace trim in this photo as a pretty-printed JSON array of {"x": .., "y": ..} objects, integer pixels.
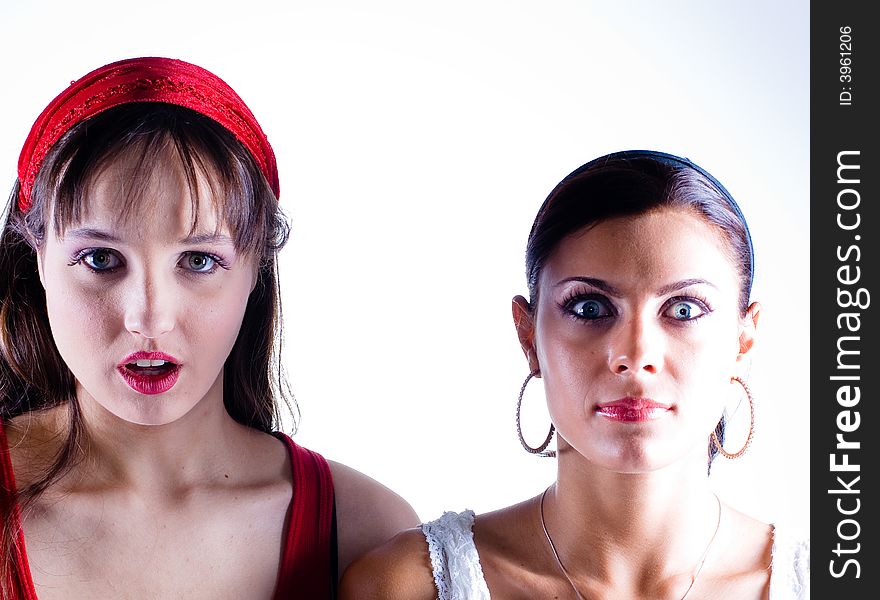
[
  {"x": 790, "y": 575},
  {"x": 454, "y": 558},
  {"x": 434, "y": 536}
]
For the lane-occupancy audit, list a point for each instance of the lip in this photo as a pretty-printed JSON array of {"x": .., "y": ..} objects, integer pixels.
[
  {"x": 633, "y": 410},
  {"x": 149, "y": 384}
]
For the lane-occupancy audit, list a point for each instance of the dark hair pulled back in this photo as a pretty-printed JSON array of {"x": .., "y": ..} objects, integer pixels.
[{"x": 634, "y": 182}]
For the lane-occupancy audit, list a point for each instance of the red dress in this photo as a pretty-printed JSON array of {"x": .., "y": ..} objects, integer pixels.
[{"x": 307, "y": 556}]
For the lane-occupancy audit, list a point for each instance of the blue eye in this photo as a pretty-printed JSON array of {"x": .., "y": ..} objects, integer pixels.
[
  {"x": 589, "y": 308},
  {"x": 101, "y": 259},
  {"x": 199, "y": 262},
  {"x": 684, "y": 310}
]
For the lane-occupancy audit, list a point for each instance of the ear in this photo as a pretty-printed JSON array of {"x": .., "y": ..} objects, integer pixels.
[
  {"x": 748, "y": 331},
  {"x": 525, "y": 331},
  {"x": 255, "y": 279},
  {"x": 255, "y": 271},
  {"x": 40, "y": 267}
]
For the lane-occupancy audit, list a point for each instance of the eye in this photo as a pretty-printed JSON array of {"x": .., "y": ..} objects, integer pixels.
[
  {"x": 101, "y": 259},
  {"x": 685, "y": 310},
  {"x": 589, "y": 308},
  {"x": 198, "y": 262}
]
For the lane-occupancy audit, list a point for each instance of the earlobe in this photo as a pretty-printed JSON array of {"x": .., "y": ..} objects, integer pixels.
[
  {"x": 525, "y": 330},
  {"x": 749, "y": 329}
]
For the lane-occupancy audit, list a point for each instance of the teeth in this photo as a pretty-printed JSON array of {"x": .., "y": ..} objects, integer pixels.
[{"x": 150, "y": 363}]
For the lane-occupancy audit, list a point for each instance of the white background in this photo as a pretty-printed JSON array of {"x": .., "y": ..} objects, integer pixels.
[{"x": 416, "y": 141}]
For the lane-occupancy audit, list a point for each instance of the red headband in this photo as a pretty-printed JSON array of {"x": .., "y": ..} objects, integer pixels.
[{"x": 143, "y": 80}]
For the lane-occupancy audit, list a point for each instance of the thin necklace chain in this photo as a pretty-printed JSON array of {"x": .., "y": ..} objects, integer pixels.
[{"x": 571, "y": 583}]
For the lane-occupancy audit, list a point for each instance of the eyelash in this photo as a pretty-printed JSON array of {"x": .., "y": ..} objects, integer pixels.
[
  {"x": 82, "y": 254},
  {"x": 567, "y": 304},
  {"x": 703, "y": 303}
]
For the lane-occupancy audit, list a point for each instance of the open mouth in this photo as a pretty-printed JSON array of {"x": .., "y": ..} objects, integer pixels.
[
  {"x": 148, "y": 367},
  {"x": 149, "y": 375}
]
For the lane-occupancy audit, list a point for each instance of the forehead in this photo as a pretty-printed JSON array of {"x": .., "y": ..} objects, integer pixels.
[
  {"x": 653, "y": 248},
  {"x": 143, "y": 195}
]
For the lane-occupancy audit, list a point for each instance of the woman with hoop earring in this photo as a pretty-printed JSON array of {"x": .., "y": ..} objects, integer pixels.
[{"x": 640, "y": 325}]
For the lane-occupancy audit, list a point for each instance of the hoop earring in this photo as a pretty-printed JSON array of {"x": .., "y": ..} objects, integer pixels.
[
  {"x": 542, "y": 449},
  {"x": 745, "y": 447}
]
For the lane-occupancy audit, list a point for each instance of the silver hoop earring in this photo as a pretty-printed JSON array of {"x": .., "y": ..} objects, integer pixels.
[
  {"x": 732, "y": 455},
  {"x": 542, "y": 449}
]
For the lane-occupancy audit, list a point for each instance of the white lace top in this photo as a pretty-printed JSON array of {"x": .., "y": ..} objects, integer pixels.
[{"x": 459, "y": 576}]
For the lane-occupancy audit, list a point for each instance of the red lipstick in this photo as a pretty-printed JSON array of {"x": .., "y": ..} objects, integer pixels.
[
  {"x": 149, "y": 372},
  {"x": 633, "y": 410}
]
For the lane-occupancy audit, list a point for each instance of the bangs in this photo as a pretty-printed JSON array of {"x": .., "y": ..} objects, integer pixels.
[{"x": 152, "y": 137}]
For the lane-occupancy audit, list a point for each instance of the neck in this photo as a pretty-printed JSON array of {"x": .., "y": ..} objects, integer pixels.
[
  {"x": 613, "y": 527},
  {"x": 160, "y": 459}
]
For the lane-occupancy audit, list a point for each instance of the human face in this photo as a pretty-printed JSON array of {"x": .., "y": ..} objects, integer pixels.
[
  {"x": 637, "y": 334},
  {"x": 119, "y": 286}
]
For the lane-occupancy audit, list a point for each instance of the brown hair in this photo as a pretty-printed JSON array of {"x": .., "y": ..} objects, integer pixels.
[
  {"x": 33, "y": 375},
  {"x": 633, "y": 183}
]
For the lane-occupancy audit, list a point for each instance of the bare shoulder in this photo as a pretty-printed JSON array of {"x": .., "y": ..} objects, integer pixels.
[
  {"x": 743, "y": 556},
  {"x": 753, "y": 539},
  {"x": 401, "y": 568},
  {"x": 368, "y": 514}
]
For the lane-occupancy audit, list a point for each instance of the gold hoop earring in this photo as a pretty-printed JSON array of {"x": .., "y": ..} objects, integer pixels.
[
  {"x": 745, "y": 447},
  {"x": 542, "y": 449}
]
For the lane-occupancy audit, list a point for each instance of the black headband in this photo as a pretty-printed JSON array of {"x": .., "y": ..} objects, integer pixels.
[{"x": 677, "y": 162}]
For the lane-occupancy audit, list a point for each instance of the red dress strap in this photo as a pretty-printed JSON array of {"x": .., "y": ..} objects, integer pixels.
[
  {"x": 306, "y": 571},
  {"x": 19, "y": 578}
]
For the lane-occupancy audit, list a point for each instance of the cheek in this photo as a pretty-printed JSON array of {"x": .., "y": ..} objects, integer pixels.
[
  {"x": 561, "y": 341},
  {"x": 702, "y": 366},
  {"x": 573, "y": 362},
  {"x": 80, "y": 317},
  {"x": 710, "y": 351},
  {"x": 217, "y": 321}
]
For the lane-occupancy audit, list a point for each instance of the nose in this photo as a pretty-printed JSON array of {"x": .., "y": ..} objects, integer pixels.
[
  {"x": 636, "y": 347},
  {"x": 149, "y": 311}
]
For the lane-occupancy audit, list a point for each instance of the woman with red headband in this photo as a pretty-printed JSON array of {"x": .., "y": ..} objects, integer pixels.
[{"x": 139, "y": 375}]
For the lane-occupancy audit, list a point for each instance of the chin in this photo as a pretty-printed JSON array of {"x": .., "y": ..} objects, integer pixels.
[
  {"x": 126, "y": 405},
  {"x": 633, "y": 457},
  {"x": 155, "y": 416},
  {"x": 630, "y": 464},
  {"x": 147, "y": 411},
  {"x": 636, "y": 467}
]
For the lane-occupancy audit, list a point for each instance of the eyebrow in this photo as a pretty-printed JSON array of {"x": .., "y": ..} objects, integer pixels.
[
  {"x": 678, "y": 285},
  {"x": 89, "y": 232},
  {"x": 599, "y": 284},
  {"x": 606, "y": 287},
  {"x": 200, "y": 238},
  {"x": 208, "y": 238}
]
